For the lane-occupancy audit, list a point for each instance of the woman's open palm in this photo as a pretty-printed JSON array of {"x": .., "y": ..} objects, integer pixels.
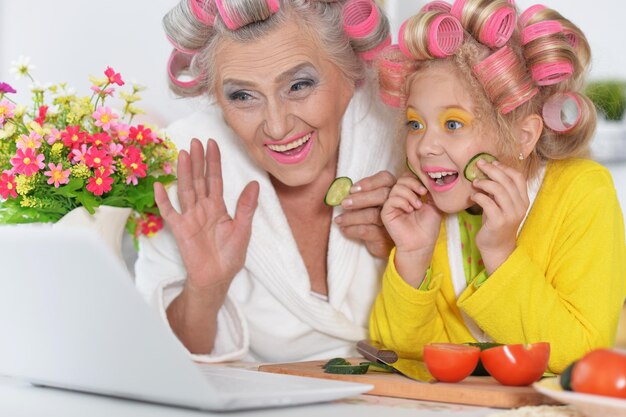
[{"x": 212, "y": 243}]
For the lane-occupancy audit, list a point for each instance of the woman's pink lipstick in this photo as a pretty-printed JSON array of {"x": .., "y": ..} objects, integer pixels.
[{"x": 293, "y": 155}]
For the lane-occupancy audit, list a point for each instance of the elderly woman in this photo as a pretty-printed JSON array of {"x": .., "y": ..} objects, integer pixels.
[{"x": 286, "y": 278}]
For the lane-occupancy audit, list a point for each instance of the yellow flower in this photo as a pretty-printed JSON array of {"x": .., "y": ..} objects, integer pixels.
[
  {"x": 135, "y": 110},
  {"x": 24, "y": 184},
  {"x": 19, "y": 111},
  {"x": 8, "y": 131},
  {"x": 55, "y": 151},
  {"x": 35, "y": 127},
  {"x": 81, "y": 171},
  {"x": 98, "y": 81},
  {"x": 26, "y": 202},
  {"x": 130, "y": 98}
]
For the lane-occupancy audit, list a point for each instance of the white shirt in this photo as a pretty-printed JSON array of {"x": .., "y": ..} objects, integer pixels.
[{"x": 270, "y": 314}]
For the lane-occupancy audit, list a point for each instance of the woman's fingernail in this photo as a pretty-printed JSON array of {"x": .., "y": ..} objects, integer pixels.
[
  {"x": 355, "y": 189},
  {"x": 496, "y": 163},
  {"x": 338, "y": 219},
  {"x": 346, "y": 202}
]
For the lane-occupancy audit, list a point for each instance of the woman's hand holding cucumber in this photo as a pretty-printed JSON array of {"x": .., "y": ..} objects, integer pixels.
[{"x": 360, "y": 219}]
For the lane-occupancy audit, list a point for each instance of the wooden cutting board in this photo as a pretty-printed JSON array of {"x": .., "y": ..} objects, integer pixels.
[{"x": 483, "y": 391}]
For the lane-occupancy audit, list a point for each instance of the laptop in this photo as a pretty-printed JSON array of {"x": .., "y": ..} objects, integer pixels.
[{"x": 71, "y": 318}]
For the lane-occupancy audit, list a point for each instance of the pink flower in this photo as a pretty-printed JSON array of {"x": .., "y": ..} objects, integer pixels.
[
  {"x": 99, "y": 139},
  {"x": 43, "y": 110},
  {"x": 27, "y": 162},
  {"x": 167, "y": 168},
  {"x": 57, "y": 175},
  {"x": 114, "y": 78},
  {"x": 96, "y": 158},
  {"x": 101, "y": 183},
  {"x": 6, "y": 88},
  {"x": 7, "y": 185},
  {"x": 32, "y": 141},
  {"x": 73, "y": 137},
  {"x": 79, "y": 154},
  {"x": 54, "y": 136},
  {"x": 115, "y": 149},
  {"x": 151, "y": 225},
  {"x": 100, "y": 91},
  {"x": 104, "y": 117},
  {"x": 121, "y": 131},
  {"x": 138, "y": 169},
  {"x": 6, "y": 110},
  {"x": 142, "y": 135}
]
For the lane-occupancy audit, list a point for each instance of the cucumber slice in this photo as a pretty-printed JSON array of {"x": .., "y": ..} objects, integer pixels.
[
  {"x": 378, "y": 367},
  {"x": 335, "y": 361},
  {"x": 408, "y": 165},
  {"x": 472, "y": 172},
  {"x": 338, "y": 190},
  {"x": 346, "y": 369}
]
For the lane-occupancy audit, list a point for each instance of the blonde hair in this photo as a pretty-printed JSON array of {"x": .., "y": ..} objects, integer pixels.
[
  {"x": 253, "y": 19},
  {"x": 506, "y": 85}
]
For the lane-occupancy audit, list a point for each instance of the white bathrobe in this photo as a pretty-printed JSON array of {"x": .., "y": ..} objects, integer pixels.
[{"x": 270, "y": 314}]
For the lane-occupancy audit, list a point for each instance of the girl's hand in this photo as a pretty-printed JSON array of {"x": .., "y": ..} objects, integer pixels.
[
  {"x": 361, "y": 218},
  {"x": 504, "y": 200},
  {"x": 414, "y": 227},
  {"x": 212, "y": 243}
]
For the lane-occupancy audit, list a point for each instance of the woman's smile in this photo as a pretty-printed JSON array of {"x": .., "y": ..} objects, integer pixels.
[{"x": 293, "y": 150}]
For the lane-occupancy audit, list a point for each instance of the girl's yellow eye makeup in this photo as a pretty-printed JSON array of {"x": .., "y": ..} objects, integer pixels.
[
  {"x": 454, "y": 119},
  {"x": 414, "y": 121}
]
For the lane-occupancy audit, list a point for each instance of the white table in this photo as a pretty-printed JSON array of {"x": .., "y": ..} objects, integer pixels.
[{"x": 19, "y": 399}]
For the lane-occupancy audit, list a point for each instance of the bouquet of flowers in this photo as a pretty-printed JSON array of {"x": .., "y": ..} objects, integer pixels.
[{"x": 64, "y": 151}]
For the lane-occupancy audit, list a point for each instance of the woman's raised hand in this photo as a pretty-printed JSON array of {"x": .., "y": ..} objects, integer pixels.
[
  {"x": 212, "y": 243},
  {"x": 361, "y": 218},
  {"x": 414, "y": 227}
]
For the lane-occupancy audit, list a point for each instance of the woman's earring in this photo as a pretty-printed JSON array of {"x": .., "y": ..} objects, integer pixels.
[{"x": 520, "y": 156}]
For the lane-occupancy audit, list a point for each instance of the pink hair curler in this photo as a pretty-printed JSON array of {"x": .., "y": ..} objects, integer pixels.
[
  {"x": 231, "y": 23},
  {"x": 499, "y": 27},
  {"x": 549, "y": 73},
  {"x": 393, "y": 68},
  {"x": 177, "y": 64},
  {"x": 445, "y": 36},
  {"x": 390, "y": 99},
  {"x": 492, "y": 73},
  {"x": 437, "y": 6},
  {"x": 541, "y": 29},
  {"x": 562, "y": 112},
  {"x": 360, "y": 18},
  {"x": 200, "y": 11},
  {"x": 572, "y": 37},
  {"x": 178, "y": 47},
  {"x": 457, "y": 9},
  {"x": 374, "y": 52},
  {"x": 529, "y": 13},
  {"x": 401, "y": 42}
]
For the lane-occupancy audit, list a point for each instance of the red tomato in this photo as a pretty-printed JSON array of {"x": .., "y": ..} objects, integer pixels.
[
  {"x": 449, "y": 362},
  {"x": 601, "y": 372},
  {"x": 516, "y": 364}
]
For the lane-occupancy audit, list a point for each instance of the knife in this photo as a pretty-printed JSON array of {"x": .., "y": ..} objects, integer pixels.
[{"x": 411, "y": 368}]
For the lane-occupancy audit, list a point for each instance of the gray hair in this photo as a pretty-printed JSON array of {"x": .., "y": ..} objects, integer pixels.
[{"x": 320, "y": 19}]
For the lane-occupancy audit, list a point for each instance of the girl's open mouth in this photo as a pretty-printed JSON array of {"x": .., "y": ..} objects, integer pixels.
[{"x": 443, "y": 180}]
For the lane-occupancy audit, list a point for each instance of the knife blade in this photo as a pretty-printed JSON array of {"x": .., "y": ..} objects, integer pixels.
[{"x": 411, "y": 368}]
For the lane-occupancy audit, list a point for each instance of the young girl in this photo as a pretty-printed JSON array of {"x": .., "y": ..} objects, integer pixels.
[{"x": 530, "y": 250}]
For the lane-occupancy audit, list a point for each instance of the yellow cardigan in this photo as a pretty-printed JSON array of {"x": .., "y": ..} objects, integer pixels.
[{"x": 565, "y": 282}]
